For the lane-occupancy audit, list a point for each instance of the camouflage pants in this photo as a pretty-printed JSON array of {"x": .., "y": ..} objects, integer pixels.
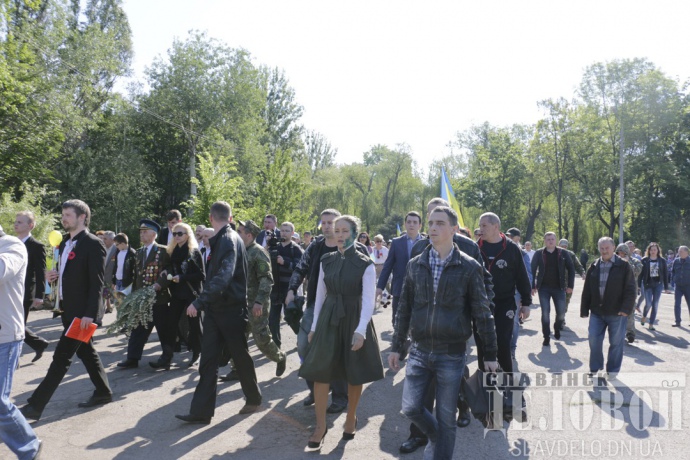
[
  {"x": 567, "y": 300},
  {"x": 630, "y": 327},
  {"x": 258, "y": 327}
]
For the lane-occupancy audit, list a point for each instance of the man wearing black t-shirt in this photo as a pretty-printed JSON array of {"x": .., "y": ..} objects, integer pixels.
[
  {"x": 548, "y": 271},
  {"x": 503, "y": 259}
]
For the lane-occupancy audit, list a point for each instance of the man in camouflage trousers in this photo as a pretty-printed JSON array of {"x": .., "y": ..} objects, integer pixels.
[
  {"x": 259, "y": 282},
  {"x": 623, "y": 251}
]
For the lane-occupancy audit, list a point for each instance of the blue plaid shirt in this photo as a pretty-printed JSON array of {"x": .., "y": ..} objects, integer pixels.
[{"x": 437, "y": 265}]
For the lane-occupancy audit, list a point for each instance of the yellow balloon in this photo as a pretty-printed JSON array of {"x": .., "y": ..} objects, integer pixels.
[{"x": 55, "y": 238}]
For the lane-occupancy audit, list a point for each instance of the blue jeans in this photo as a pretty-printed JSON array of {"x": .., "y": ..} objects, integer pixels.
[
  {"x": 681, "y": 291},
  {"x": 545, "y": 296},
  {"x": 15, "y": 431},
  {"x": 421, "y": 370},
  {"x": 652, "y": 296},
  {"x": 597, "y": 328}
]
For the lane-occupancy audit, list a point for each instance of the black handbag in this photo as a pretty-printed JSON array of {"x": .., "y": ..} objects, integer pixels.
[{"x": 485, "y": 398}]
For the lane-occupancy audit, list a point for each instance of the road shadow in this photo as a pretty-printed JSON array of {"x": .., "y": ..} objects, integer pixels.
[{"x": 554, "y": 361}]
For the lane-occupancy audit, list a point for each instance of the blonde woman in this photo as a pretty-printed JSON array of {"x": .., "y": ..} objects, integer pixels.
[{"x": 187, "y": 271}]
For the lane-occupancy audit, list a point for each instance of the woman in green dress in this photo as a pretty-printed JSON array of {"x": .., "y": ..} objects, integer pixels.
[{"x": 343, "y": 343}]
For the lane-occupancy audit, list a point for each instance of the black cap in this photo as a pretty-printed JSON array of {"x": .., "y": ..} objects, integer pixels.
[
  {"x": 149, "y": 225},
  {"x": 513, "y": 232}
]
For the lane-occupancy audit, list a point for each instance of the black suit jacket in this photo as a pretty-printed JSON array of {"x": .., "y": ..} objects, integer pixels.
[
  {"x": 35, "y": 270},
  {"x": 129, "y": 270},
  {"x": 82, "y": 280},
  {"x": 163, "y": 236}
]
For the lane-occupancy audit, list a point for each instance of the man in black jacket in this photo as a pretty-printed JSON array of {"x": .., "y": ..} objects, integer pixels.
[
  {"x": 609, "y": 295},
  {"x": 124, "y": 268},
  {"x": 80, "y": 286},
  {"x": 34, "y": 283},
  {"x": 285, "y": 255},
  {"x": 549, "y": 266},
  {"x": 504, "y": 260},
  {"x": 172, "y": 217},
  {"x": 309, "y": 267},
  {"x": 224, "y": 301},
  {"x": 443, "y": 293},
  {"x": 151, "y": 261},
  {"x": 417, "y": 438}
]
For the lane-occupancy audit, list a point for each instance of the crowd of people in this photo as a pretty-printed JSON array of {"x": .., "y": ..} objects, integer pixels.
[{"x": 235, "y": 279}]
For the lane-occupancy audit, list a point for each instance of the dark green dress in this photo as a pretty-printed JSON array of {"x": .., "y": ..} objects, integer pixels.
[{"x": 330, "y": 356}]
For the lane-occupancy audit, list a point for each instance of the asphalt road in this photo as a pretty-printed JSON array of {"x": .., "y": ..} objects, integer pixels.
[{"x": 567, "y": 417}]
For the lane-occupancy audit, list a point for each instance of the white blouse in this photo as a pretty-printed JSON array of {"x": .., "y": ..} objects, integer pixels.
[{"x": 368, "y": 295}]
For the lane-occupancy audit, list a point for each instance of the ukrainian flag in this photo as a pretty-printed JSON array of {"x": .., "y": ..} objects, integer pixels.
[
  {"x": 399, "y": 232},
  {"x": 448, "y": 195}
]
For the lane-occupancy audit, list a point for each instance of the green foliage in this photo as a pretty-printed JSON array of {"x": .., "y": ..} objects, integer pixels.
[
  {"x": 218, "y": 179},
  {"x": 31, "y": 200}
]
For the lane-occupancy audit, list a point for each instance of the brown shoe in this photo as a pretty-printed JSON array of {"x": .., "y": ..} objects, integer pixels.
[{"x": 249, "y": 409}]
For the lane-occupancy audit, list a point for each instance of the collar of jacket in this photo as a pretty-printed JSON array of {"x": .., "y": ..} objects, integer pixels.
[
  {"x": 454, "y": 259},
  {"x": 214, "y": 238},
  {"x": 76, "y": 238},
  {"x": 615, "y": 260}
]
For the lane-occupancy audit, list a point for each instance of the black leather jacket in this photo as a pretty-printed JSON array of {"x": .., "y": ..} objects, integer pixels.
[
  {"x": 470, "y": 248},
  {"x": 225, "y": 289},
  {"x": 441, "y": 322},
  {"x": 564, "y": 263}
]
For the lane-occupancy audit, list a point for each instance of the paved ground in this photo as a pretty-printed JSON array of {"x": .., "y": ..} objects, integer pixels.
[{"x": 567, "y": 421}]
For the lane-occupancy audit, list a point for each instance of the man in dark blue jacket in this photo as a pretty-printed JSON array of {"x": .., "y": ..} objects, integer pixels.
[{"x": 398, "y": 256}]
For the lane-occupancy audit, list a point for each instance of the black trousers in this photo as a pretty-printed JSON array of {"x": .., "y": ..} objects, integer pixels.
[
  {"x": 504, "y": 318},
  {"x": 276, "y": 312},
  {"x": 30, "y": 338},
  {"x": 223, "y": 329},
  {"x": 162, "y": 316},
  {"x": 62, "y": 359}
]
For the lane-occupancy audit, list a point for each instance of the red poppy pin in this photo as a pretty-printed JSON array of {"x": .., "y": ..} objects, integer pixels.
[{"x": 71, "y": 255}]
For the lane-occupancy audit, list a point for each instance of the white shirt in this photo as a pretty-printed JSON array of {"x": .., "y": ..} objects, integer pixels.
[
  {"x": 368, "y": 295},
  {"x": 380, "y": 255},
  {"x": 13, "y": 262},
  {"x": 530, "y": 254},
  {"x": 64, "y": 257},
  {"x": 120, "y": 264},
  {"x": 170, "y": 237},
  {"x": 26, "y": 238}
]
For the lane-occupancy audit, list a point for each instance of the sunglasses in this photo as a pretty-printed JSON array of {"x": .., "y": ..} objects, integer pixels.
[{"x": 178, "y": 233}]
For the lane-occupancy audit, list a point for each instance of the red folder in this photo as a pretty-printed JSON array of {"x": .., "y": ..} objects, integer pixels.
[{"x": 77, "y": 333}]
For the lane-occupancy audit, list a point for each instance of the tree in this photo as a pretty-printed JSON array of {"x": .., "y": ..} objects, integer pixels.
[{"x": 217, "y": 179}]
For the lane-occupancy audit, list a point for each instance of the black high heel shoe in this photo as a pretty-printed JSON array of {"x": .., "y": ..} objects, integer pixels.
[
  {"x": 317, "y": 445},
  {"x": 350, "y": 436}
]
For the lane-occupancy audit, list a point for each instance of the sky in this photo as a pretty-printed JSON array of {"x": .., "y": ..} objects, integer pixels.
[{"x": 418, "y": 72}]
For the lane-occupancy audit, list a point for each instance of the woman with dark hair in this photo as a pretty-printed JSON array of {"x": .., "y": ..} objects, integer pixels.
[
  {"x": 343, "y": 344},
  {"x": 187, "y": 275},
  {"x": 653, "y": 279},
  {"x": 364, "y": 239}
]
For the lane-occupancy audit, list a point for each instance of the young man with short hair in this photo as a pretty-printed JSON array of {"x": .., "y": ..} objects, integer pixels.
[{"x": 442, "y": 293}]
